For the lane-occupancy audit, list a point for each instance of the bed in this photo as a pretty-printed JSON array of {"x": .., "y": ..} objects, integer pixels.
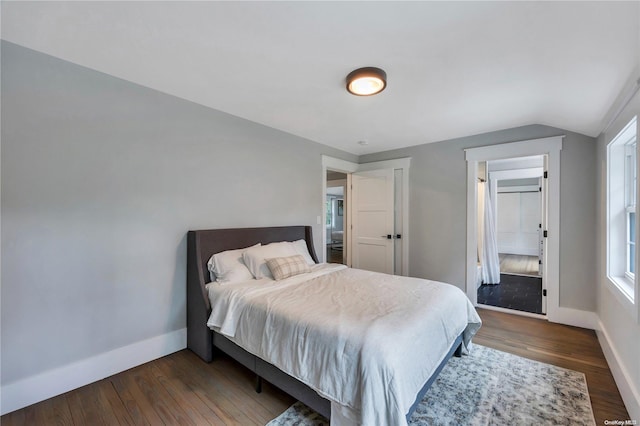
[{"x": 308, "y": 377}]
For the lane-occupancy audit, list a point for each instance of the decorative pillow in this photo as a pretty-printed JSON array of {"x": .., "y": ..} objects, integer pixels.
[
  {"x": 256, "y": 257},
  {"x": 285, "y": 267},
  {"x": 228, "y": 266}
]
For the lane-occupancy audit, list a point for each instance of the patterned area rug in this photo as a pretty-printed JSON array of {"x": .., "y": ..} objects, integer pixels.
[{"x": 489, "y": 387}]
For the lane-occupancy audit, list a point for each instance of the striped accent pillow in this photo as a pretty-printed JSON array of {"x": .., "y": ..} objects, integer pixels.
[{"x": 285, "y": 267}]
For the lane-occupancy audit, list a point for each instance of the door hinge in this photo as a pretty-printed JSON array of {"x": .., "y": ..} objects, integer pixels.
[
  {"x": 544, "y": 233},
  {"x": 546, "y": 175},
  {"x": 544, "y": 292}
]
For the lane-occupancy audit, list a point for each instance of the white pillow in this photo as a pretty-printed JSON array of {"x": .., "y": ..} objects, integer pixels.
[
  {"x": 228, "y": 266},
  {"x": 255, "y": 257},
  {"x": 302, "y": 250}
]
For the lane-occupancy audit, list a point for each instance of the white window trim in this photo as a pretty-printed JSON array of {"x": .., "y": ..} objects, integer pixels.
[
  {"x": 628, "y": 274},
  {"x": 622, "y": 286}
]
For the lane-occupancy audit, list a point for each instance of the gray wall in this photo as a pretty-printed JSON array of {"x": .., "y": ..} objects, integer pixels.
[
  {"x": 101, "y": 179},
  {"x": 437, "y": 209}
]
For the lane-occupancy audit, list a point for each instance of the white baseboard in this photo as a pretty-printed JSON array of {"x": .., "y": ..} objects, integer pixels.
[
  {"x": 54, "y": 382},
  {"x": 511, "y": 311},
  {"x": 574, "y": 317},
  {"x": 628, "y": 391}
]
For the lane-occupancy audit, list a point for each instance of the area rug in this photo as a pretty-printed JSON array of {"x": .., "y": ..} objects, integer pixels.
[{"x": 489, "y": 387}]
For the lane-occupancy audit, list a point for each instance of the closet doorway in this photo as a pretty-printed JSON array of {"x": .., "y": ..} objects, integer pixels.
[
  {"x": 335, "y": 217},
  {"x": 511, "y": 227},
  {"x": 549, "y": 148}
]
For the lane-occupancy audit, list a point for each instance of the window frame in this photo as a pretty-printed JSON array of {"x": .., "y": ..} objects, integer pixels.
[
  {"x": 622, "y": 261},
  {"x": 630, "y": 254},
  {"x": 630, "y": 186}
]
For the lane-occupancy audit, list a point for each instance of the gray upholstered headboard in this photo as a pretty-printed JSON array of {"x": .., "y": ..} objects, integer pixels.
[{"x": 200, "y": 246}]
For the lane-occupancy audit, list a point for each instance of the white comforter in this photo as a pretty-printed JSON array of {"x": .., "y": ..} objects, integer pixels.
[{"x": 364, "y": 340}]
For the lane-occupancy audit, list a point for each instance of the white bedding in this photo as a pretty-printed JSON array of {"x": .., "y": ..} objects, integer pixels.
[{"x": 366, "y": 341}]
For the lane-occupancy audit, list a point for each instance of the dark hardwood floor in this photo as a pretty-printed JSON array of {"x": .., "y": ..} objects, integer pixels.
[
  {"x": 334, "y": 255},
  {"x": 181, "y": 389}
]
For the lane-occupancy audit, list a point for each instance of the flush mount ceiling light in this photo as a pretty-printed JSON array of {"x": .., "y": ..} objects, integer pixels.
[{"x": 366, "y": 81}]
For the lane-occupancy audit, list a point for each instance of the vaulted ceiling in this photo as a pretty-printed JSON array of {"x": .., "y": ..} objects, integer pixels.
[{"x": 454, "y": 68}]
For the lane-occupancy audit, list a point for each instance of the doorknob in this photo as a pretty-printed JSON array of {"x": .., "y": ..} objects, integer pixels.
[{"x": 388, "y": 236}]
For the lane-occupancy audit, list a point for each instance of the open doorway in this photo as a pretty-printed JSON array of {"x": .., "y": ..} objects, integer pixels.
[
  {"x": 511, "y": 214},
  {"x": 335, "y": 217},
  {"x": 550, "y": 148}
]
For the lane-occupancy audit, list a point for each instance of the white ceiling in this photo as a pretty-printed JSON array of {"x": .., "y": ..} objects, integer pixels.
[{"x": 454, "y": 68}]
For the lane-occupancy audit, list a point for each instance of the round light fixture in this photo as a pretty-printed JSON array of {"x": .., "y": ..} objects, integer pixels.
[{"x": 366, "y": 81}]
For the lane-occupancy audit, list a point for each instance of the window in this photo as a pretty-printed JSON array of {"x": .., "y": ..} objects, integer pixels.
[
  {"x": 630, "y": 206},
  {"x": 621, "y": 211}
]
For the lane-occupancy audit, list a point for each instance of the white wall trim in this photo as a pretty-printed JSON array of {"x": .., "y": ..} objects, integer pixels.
[
  {"x": 551, "y": 147},
  {"x": 525, "y": 148},
  {"x": 54, "y": 382},
  {"x": 628, "y": 391},
  {"x": 567, "y": 316},
  {"x": 511, "y": 311},
  {"x": 337, "y": 165},
  {"x": 343, "y": 166},
  {"x": 575, "y": 318}
]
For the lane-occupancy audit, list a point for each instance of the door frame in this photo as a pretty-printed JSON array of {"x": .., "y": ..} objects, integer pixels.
[
  {"x": 348, "y": 167},
  {"x": 340, "y": 183},
  {"x": 551, "y": 147}
]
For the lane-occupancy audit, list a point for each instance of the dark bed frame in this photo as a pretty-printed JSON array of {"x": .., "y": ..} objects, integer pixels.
[{"x": 201, "y": 340}]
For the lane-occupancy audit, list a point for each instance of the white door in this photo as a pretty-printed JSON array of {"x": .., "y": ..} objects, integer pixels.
[{"x": 373, "y": 220}]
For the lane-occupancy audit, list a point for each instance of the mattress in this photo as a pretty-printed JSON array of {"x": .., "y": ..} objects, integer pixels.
[{"x": 366, "y": 341}]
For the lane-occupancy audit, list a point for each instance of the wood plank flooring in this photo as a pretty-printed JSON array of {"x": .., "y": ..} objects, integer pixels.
[
  {"x": 180, "y": 389},
  {"x": 518, "y": 264},
  {"x": 334, "y": 256}
]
